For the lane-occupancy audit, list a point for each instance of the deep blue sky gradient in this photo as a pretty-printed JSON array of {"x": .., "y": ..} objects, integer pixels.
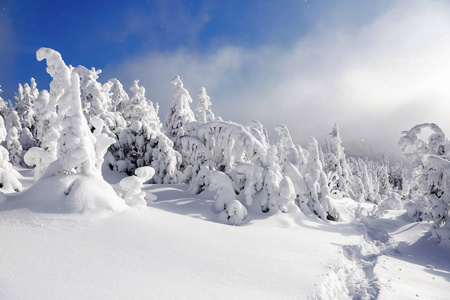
[{"x": 97, "y": 33}]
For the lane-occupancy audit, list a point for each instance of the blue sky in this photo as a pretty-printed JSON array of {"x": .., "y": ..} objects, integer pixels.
[{"x": 371, "y": 66}]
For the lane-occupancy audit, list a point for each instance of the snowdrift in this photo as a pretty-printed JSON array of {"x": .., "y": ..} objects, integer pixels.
[{"x": 67, "y": 194}]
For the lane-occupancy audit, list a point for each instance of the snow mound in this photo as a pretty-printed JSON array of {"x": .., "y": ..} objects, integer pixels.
[{"x": 68, "y": 194}]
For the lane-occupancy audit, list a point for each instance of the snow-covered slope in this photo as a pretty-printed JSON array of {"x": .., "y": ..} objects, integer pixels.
[{"x": 179, "y": 249}]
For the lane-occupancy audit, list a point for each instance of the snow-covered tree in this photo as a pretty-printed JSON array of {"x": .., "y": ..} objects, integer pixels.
[
  {"x": 77, "y": 146},
  {"x": 247, "y": 179},
  {"x": 336, "y": 166},
  {"x": 204, "y": 112},
  {"x": 166, "y": 162},
  {"x": 272, "y": 179},
  {"x": 319, "y": 200},
  {"x": 137, "y": 143},
  {"x": 118, "y": 97},
  {"x": 79, "y": 153},
  {"x": 3, "y": 107},
  {"x": 25, "y": 98},
  {"x": 96, "y": 102},
  {"x": 286, "y": 193},
  {"x": 14, "y": 131},
  {"x": 228, "y": 144},
  {"x": 179, "y": 114},
  {"x": 8, "y": 176},
  {"x": 287, "y": 151},
  {"x": 429, "y": 191},
  {"x": 258, "y": 131},
  {"x": 46, "y": 134},
  {"x": 131, "y": 187},
  {"x": 225, "y": 198}
]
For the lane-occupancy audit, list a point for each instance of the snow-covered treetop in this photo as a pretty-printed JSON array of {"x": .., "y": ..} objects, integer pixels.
[
  {"x": 314, "y": 162},
  {"x": 179, "y": 114},
  {"x": 437, "y": 143},
  {"x": 115, "y": 90},
  {"x": 94, "y": 101},
  {"x": 61, "y": 77},
  {"x": 2, "y": 130},
  {"x": 205, "y": 114},
  {"x": 76, "y": 150},
  {"x": 140, "y": 109},
  {"x": 284, "y": 136},
  {"x": 229, "y": 143},
  {"x": 203, "y": 100},
  {"x": 181, "y": 96},
  {"x": 258, "y": 131}
]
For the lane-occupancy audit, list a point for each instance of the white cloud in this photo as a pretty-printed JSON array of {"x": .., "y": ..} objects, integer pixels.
[{"x": 375, "y": 80}]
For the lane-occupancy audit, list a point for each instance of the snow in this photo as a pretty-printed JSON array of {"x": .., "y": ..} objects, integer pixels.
[{"x": 179, "y": 248}]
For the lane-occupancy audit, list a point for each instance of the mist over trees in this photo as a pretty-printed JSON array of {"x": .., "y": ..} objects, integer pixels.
[{"x": 81, "y": 124}]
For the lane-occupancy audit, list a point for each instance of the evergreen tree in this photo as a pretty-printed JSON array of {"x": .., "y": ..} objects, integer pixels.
[
  {"x": 179, "y": 114},
  {"x": 319, "y": 201},
  {"x": 429, "y": 191},
  {"x": 204, "y": 112},
  {"x": 3, "y": 107},
  {"x": 14, "y": 131},
  {"x": 8, "y": 176},
  {"x": 336, "y": 165}
]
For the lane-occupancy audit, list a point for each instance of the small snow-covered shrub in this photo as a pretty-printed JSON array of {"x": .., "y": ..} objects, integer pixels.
[
  {"x": 131, "y": 187},
  {"x": 236, "y": 213},
  {"x": 393, "y": 202},
  {"x": 225, "y": 198},
  {"x": 286, "y": 193}
]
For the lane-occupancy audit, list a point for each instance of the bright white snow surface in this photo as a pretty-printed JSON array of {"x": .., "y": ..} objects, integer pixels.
[{"x": 179, "y": 248}]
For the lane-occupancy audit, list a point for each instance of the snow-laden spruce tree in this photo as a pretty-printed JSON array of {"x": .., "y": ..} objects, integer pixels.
[
  {"x": 4, "y": 110},
  {"x": 429, "y": 187},
  {"x": 367, "y": 180},
  {"x": 195, "y": 157},
  {"x": 272, "y": 178},
  {"x": 203, "y": 107},
  {"x": 258, "y": 131},
  {"x": 247, "y": 178},
  {"x": 286, "y": 193},
  {"x": 358, "y": 187},
  {"x": 336, "y": 166},
  {"x": 96, "y": 102},
  {"x": 25, "y": 98},
  {"x": 166, "y": 162},
  {"x": 46, "y": 134},
  {"x": 8, "y": 175},
  {"x": 179, "y": 114},
  {"x": 12, "y": 143},
  {"x": 141, "y": 142},
  {"x": 230, "y": 148},
  {"x": 287, "y": 151},
  {"x": 118, "y": 97},
  {"x": 229, "y": 143},
  {"x": 319, "y": 200},
  {"x": 79, "y": 153},
  {"x": 382, "y": 175}
]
